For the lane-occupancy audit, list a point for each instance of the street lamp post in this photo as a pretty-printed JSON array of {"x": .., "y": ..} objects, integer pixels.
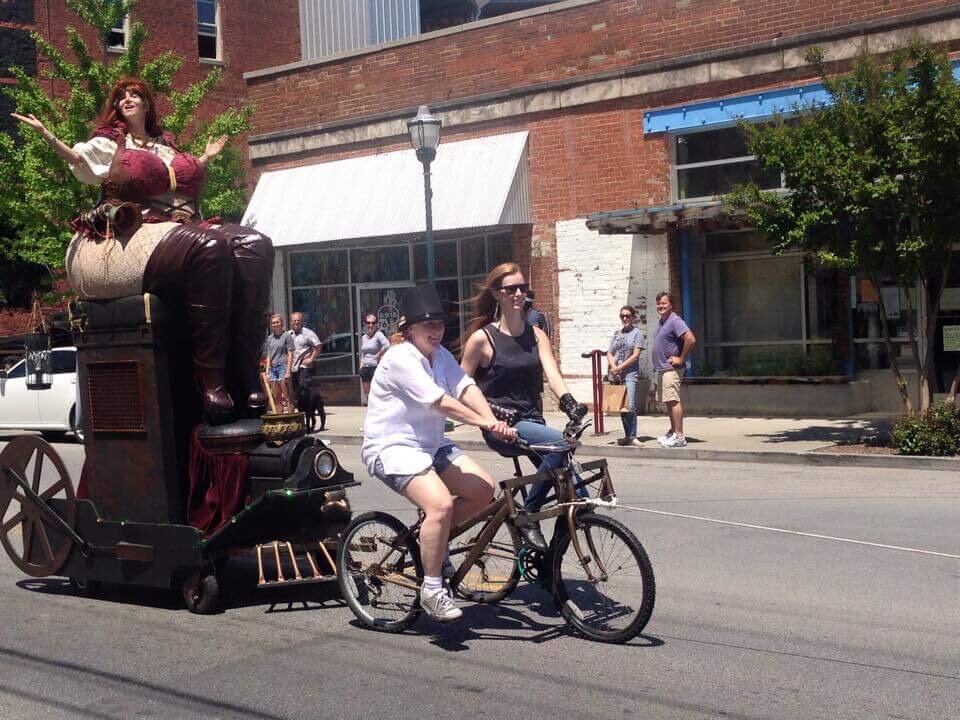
[{"x": 424, "y": 137}]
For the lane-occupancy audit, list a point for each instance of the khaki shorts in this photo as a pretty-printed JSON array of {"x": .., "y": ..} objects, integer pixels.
[{"x": 668, "y": 385}]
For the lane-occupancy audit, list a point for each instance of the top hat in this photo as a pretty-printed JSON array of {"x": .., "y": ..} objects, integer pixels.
[{"x": 420, "y": 303}]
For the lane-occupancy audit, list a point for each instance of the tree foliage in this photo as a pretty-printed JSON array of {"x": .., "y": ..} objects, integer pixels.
[
  {"x": 873, "y": 178},
  {"x": 38, "y": 194}
]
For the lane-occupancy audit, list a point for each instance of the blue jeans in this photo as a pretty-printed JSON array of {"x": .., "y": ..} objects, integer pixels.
[
  {"x": 535, "y": 433},
  {"x": 629, "y": 417},
  {"x": 277, "y": 371}
]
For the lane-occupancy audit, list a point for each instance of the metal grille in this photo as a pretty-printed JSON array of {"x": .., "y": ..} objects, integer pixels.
[{"x": 115, "y": 402}]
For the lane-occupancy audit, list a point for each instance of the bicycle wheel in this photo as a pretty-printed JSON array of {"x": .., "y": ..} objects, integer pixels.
[
  {"x": 616, "y": 604},
  {"x": 495, "y": 573},
  {"x": 379, "y": 579}
]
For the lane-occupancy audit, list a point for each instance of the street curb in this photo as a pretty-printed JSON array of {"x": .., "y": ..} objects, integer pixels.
[{"x": 813, "y": 458}]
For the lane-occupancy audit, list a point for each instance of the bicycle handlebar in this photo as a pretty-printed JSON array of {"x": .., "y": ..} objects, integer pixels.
[{"x": 571, "y": 433}]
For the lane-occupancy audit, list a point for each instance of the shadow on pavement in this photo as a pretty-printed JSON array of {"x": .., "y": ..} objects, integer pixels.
[
  {"x": 848, "y": 432},
  {"x": 238, "y": 585}
]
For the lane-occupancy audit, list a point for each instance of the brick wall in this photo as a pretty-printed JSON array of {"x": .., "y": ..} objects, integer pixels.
[{"x": 604, "y": 36}]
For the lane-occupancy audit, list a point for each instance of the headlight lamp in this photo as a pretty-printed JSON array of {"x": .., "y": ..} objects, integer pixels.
[{"x": 325, "y": 464}]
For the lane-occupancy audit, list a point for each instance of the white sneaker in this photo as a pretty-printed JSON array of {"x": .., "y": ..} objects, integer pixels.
[
  {"x": 440, "y": 606},
  {"x": 675, "y": 441},
  {"x": 663, "y": 438}
]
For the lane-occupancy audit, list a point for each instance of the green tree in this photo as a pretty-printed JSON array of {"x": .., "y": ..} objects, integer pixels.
[
  {"x": 38, "y": 194},
  {"x": 874, "y": 182}
]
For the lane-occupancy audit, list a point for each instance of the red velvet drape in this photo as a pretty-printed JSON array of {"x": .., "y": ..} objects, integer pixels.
[{"x": 217, "y": 488}]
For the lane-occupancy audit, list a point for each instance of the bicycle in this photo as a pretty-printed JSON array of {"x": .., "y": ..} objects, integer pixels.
[{"x": 598, "y": 572}]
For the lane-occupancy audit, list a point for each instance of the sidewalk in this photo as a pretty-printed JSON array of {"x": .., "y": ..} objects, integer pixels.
[{"x": 738, "y": 439}]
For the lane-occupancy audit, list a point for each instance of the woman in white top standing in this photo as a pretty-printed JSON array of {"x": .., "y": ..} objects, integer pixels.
[{"x": 417, "y": 384}]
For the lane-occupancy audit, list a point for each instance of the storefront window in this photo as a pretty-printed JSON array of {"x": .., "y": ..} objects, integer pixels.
[
  {"x": 318, "y": 268},
  {"x": 329, "y": 287},
  {"x": 762, "y": 314},
  {"x": 327, "y": 312},
  {"x": 473, "y": 256},
  {"x": 381, "y": 264},
  {"x": 754, "y": 300},
  {"x": 708, "y": 164},
  {"x": 500, "y": 250},
  {"x": 871, "y": 351},
  {"x": 444, "y": 260}
]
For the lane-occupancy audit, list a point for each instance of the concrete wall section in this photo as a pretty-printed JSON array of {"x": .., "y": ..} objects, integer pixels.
[{"x": 596, "y": 276}]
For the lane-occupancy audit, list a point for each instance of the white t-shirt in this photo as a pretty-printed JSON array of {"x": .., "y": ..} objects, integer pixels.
[{"x": 402, "y": 428}]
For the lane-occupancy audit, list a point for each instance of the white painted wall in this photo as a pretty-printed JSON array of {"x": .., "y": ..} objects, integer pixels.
[{"x": 597, "y": 275}]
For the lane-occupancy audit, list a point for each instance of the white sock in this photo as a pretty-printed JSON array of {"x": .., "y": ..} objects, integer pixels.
[{"x": 432, "y": 584}]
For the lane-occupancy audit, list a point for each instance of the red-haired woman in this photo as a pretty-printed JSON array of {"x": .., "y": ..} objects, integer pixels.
[
  {"x": 220, "y": 271},
  {"x": 509, "y": 358}
]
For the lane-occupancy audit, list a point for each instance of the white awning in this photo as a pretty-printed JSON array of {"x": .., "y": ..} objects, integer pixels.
[{"x": 476, "y": 183}]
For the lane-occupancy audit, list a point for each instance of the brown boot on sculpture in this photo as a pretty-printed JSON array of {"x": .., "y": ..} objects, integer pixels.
[
  {"x": 252, "y": 272},
  {"x": 217, "y": 403}
]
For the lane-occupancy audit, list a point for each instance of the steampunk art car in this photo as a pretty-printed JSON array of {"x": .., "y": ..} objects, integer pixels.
[{"x": 163, "y": 499}]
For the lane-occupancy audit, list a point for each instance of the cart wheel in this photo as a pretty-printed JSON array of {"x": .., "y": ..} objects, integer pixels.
[
  {"x": 201, "y": 592},
  {"x": 86, "y": 588},
  {"x": 44, "y": 549}
]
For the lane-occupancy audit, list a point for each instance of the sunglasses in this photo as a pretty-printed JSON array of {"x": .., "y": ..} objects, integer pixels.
[
  {"x": 626, "y": 317},
  {"x": 513, "y": 289},
  {"x": 371, "y": 322}
]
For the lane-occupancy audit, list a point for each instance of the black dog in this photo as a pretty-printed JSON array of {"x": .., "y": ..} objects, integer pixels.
[{"x": 310, "y": 402}]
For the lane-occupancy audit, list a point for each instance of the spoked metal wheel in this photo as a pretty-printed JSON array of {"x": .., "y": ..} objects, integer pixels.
[
  {"x": 29, "y": 533},
  {"x": 610, "y": 596},
  {"x": 380, "y": 576},
  {"x": 496, "y": 572}
]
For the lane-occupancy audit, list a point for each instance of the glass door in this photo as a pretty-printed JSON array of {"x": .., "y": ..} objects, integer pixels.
[{"x": 383, "y": 300}]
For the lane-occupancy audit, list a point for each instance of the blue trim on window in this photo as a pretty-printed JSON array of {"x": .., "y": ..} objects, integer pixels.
[{"x": 742, "y": 107}]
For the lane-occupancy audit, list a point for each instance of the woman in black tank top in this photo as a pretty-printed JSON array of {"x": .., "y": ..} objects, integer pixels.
[{"x": 510, "y": 359}]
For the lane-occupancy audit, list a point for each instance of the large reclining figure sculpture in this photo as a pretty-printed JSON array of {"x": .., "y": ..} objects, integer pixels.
[{"x": 146, "y": 235}]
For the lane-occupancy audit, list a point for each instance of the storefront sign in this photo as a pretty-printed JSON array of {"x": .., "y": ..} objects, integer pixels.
[
  {"x": 387, "y": 318},
  {"x": 951, "y": 338}
]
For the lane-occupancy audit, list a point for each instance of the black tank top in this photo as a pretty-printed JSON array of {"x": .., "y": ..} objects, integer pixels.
[{"x": 514, "y": 378}]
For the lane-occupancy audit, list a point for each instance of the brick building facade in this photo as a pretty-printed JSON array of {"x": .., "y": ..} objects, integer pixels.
[
  {"x": 586, "y": 80},
  {"x": 247, "y": 34}
]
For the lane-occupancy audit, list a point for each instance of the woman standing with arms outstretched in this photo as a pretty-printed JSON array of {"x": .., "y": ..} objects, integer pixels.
[
  {"x": 219, "y": 271},
  {"x": 509, "y": 358}
]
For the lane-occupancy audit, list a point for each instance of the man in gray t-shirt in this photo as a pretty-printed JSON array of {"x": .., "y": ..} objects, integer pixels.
[
  {"x": 672, "y": 343},
  {"x": 278, "y": 352}
]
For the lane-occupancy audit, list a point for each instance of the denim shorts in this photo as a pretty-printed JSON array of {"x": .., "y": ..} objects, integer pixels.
[
  {"x": 277, "y": 371},
  {"x": 441, "y": 461}
]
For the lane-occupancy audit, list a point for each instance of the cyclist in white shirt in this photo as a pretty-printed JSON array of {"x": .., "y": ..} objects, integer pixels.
[{"x": 417, "y": 384}]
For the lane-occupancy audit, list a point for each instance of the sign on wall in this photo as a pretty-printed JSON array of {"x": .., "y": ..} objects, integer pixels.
[{"x": 951, "y": 338}]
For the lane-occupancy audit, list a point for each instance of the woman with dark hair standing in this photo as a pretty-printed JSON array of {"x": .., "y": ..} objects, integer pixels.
[
  {"x": 373, "y": 344},
  {"x": 509, "y": 359},
  {"x": 623, "y": 366},
  {"x": 220, "y": 271}
]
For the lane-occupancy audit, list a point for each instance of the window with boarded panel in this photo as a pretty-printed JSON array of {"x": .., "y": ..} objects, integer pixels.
[{"x": 115, "y": 400}]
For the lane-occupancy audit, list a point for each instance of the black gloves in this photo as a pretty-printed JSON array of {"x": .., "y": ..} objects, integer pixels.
[{"x": 574, "y": 410}]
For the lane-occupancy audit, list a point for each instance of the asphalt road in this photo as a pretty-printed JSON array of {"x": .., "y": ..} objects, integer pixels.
[{"x": 749, "y": 622}]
